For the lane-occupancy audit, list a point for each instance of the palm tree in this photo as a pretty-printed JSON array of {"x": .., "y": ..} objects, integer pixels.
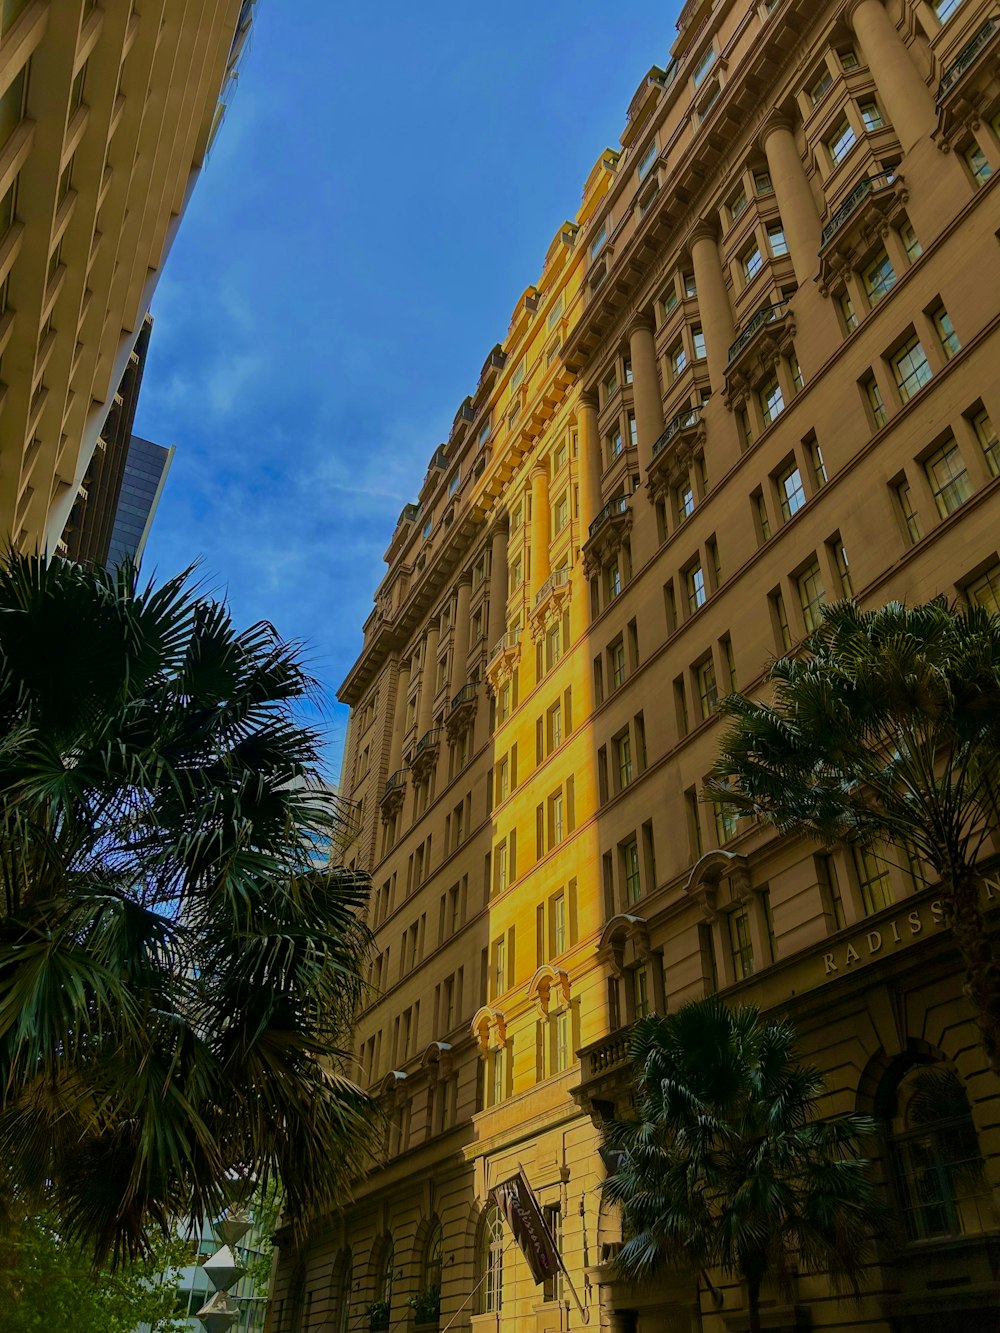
[
  {"x": 725, "y": 1165},
  {"x": 885, "y": 728},
  {"x": 179, "y": 964}
]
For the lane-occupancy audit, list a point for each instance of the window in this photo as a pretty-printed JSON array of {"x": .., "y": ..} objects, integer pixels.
[
  {"x": 821, "y": 86},
  {"x": 698, "y": 338},
  {"x": 678, "y": 359},
  {"x": 694, "y": 580},
  {"x": 760, "y": 517},
  {"x": 847, "y": 312},
  {"x": 791, "y": 491},
  {"x": 633, "y": 430},
  {"x": 909, "y": 365},
  {"x": 738, "y": 202},
  {"x": 945, "y": 8},
  {"x": 946, "y": 332},
  {"x": 762, "y": 183},
  {"x": 640, "y": 992},
  {"x": 840, "y": 142},
  {"x": 848, "y": 60},
  {"x": 613, "y": 581},
  {"x": 559, "y": 923},
  {"x": 904, "y": 498},
  {"x": 818, "y": 465},
  {"x": 812, "y": 595},
  {"x": 843, "y": 568},
  {"x": 610, "y": 386},
  {"x": 630, "y": 871},
  {"x": 623, "y": 760},
  {"x": 937, "y": 1167},
  {"x": 873, "y": 880},
  {"x": 559, "y": 457},
  {"x": 911, "y": 245},
  {"x": 615, "y": 445},
  {"x": 740, "y": 943},
  {"x": 875, "y": 403},
  {"x": 987, "y": 436},
  {"x": 669, "y": 303},
  {"x": 751, "y": 262},
  {"x": 977, "y": 163},
  {"x": 428, "y": 527},
  {"x": 726, "y": 820},
  {"x": 708, "y": 693},
  {"x": 560, "y": 1041},
  {"x": 616, "y": 655},
  {"x": 772, "y": 402},
  {"x": 948, "y": 478},
  {"x": 561, "y": 512},
  {"x": 776, "y": 240},
  {"x": 501, "y": 874},
  {"x": 781, "y": 619},
  {"x": 871, "y": 115},
  {"x": 879, "y": 277},
  {"x": 598, "y": 243},
  {"x": 557, "y": 819},
  {"x": 703, "y": 66},
  {"x": 516, "y": 574},
  {"x": 684, "y": 500},
  {"x": 985, "y": 591},
  {"x": 647, "y": 160},
  {"x": 492, "y": 1241}
]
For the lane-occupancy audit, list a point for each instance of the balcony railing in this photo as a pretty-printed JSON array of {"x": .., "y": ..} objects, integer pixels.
[
  {"x": 613, "y": 509},
  {"x": 558, "y": 579},
  {"x": 465, "y": 695},
  {"x": 428, "y": 739},
  {"x": 854, "y": 201},
  {"x": 611, "y": 1053},
  {"x": 397, "y": 779},
  {"x": 682, "y": 421},
  {"x": 747, "y": 334},
  {"x": 509, "y": 640},
  {"x": 966, "y": 57}
]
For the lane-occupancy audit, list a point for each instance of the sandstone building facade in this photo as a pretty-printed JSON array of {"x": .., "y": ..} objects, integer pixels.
[
  {"x": 107, "y": 110},
  {"x": 759, "y": 369}
]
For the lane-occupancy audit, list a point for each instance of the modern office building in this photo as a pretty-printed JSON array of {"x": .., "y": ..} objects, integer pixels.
[
  {"x": 146, "y": 468},
  {"x": 760, "y": 369},
  {"x": 107, "y": 110}
]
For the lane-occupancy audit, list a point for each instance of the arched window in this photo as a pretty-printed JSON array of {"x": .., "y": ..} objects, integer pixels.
[
  {"x": 343, "y": 1276},
  {"x": 380, "y": 1311},
  {"x": 433, "y": 1258},
  {"x": 936, "y": 1163},
  {"x": 491, "y": 1247}
]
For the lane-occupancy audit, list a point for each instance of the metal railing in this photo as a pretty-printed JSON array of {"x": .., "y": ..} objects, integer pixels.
[
  {"x": 428, "y": 739},
  {"x": 749, "y": 331},
  {"x": 558, "y": 579},
  {"x": 682, "y": 421},
  {"x": 868, "y": 185},
  {"x": 613, "y": 509},
  {"x": 510, "y": 640},
  {"x": 465, "y": 695},
  {"x": 395, "y": 780},
  {"x": 966, "y": 57}
]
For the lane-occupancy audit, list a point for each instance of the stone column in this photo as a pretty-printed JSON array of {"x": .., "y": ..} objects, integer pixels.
[
  {"x": 541, "y": 527},
  {"x": 907, "y": 99},
  {"x": 589, "y": 463},
  {"x": 425, "y": 706},
  {"x": 799, "y": 214},
  {"x": 399, "y": 718},
  {"x": 646, "y": 395},
  {"x": 498, "y": 586},
  {"x": 460, "y": 642},
  {"x": 713, "y": 303}
]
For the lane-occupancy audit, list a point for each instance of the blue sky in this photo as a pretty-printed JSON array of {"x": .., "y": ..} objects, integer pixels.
[{"x": 385, "y": 186}]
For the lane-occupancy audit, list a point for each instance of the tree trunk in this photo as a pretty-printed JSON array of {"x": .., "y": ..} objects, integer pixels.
[
  {"x": 753, "y": 1308},
  {"x": 960, "y": 900}
]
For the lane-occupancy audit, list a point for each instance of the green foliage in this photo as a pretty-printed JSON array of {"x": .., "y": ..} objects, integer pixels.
[
  {"x": 378, "y": 1316},
  {"x": 179, "y": 964},
  {"x": 49, "y": 1285},
  {"x": 725, "y": 1165},
  {"x": 885, "y": 728},
  {"x": 427, "y": 1306}
]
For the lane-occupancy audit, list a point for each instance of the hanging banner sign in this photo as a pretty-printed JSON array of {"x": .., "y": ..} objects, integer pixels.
[{"x": 517, "y": 1203}]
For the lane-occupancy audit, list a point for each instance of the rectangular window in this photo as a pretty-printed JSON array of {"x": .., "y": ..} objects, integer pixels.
[
  {"x": 818, "y": 464},
  {"x": 630, "y": 871},
  {"x": 561, "y": 516},
  {"x": 751, "y": 262},
  {"x": 985, "y": 591},
  {"x": 633, "y": 430},
  {"x": 597, "y": 244},
  {"x": 910, "y": 367},
  {"x": 615, "y": 445},
  {"x": 776, "y": 240},
  {"x": 669, "y": 303},
  {"x": 703, "y": 66},
  {"x": 840, "y": 142},
  {"x": 708, "y": 692},
  {"x": 683, "y": 501},
  {"x": 647, "y": 160},
  {"x": 761, "y": 519},
  {"x": 698, "y": 337},
  {"x": 879, "y": 277},
  {"x": 948, "y": 478},
  {"x": 725, "y": 824},
  {"x": 812, "y": 595},
  {"x": 690, "y": 287},
  {"x": 694, "y": 579},
  {"x": 843, "y": 568},
  {"x": 987, "y": 436},
  {"x": 640, "y": 992},
  {"x": 560, "y": 1042},
  {"x": 738, "y": 202},
  {"x": 791, "y": 492},
  {"x": 820, "y": 86},
  {"x": 873, "y": 880},
  {"x": 559, "y": 923},
  {"x": 978, "y": 163},
  {"x": 623, "y": 760},
  {"x": 557, "y": 819},
  {"x": 871, "y": 115},
  {"x": 873, "y": 394},
  {"x": 616, "y": 664},
  {"x": 904, "y": 499},
  {"x": 847, "y": 312},
  {"x": 678, "y": 359},
  {"x": 740, "y": 943},
  {"x": 911, "y": 245},
  {"x": 772, "y": 402},
  {"x": 781, "y": 619},
  {"x": 946, "y": 332}
]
